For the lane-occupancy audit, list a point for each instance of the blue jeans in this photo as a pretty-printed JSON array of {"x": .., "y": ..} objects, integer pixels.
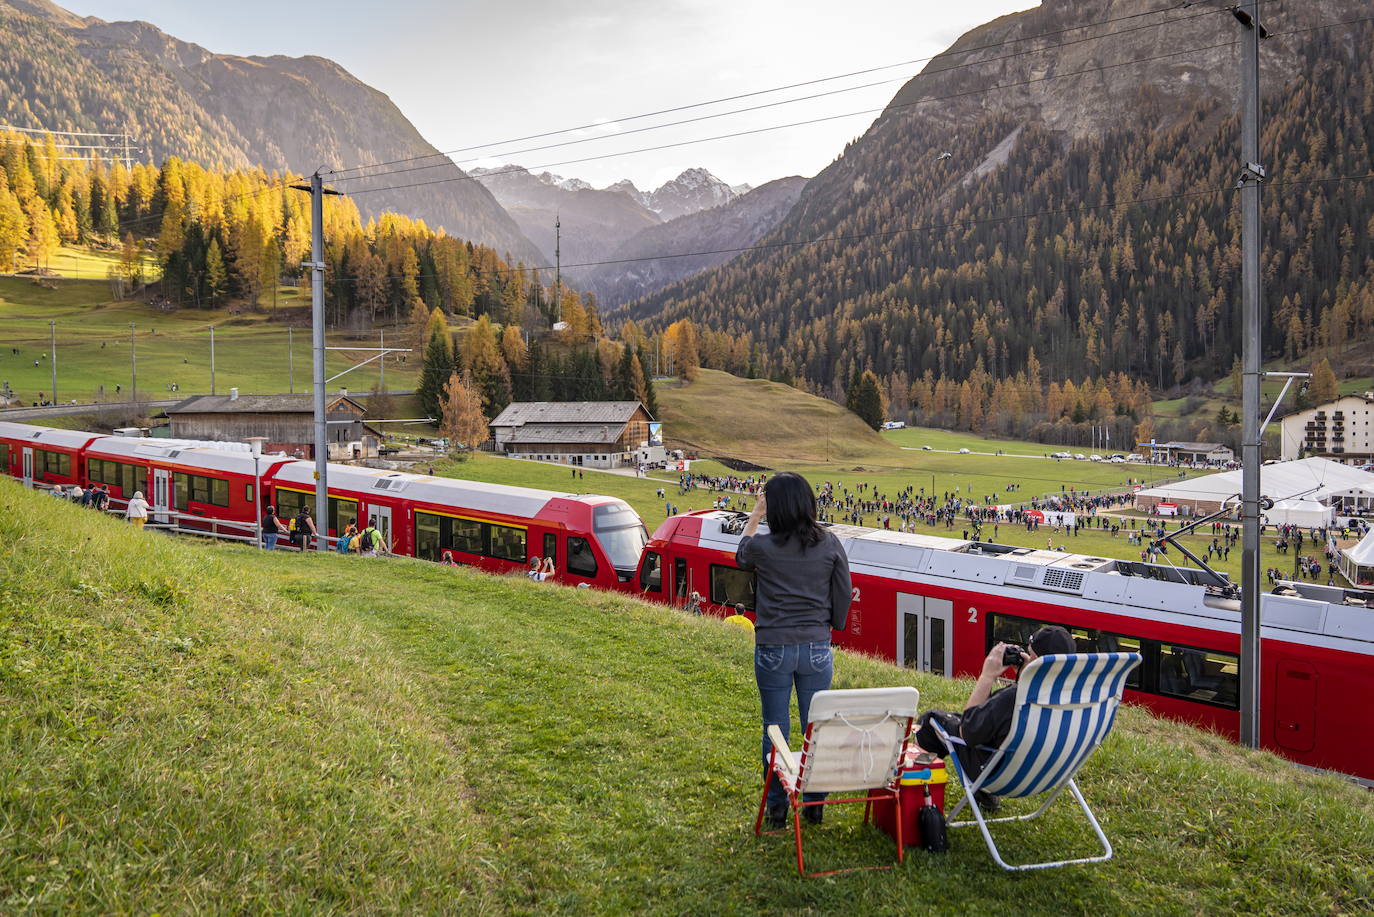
[
  {"x": 269, "y": 540},
  {"x": 807, "y": 666}
]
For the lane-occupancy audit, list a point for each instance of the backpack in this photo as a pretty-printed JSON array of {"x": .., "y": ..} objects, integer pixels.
[{"x": 367, "y": 540}]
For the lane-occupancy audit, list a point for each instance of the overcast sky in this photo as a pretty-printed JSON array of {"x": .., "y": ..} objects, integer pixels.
[{"x": 470, "y": 72}]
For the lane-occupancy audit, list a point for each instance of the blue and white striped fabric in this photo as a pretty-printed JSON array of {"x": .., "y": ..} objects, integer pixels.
[{"x": 1065, "y": 706}]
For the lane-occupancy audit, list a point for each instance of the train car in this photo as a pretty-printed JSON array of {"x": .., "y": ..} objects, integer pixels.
[
  {"x": 44, "y": 455},
  {"x": 939, "y": 604},
  {"x": 594, "y": 540}
]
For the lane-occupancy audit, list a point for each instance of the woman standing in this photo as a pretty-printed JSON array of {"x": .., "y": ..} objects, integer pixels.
[
  {"x": 137, "y": 509},
  {"x": 802, "y": 592}
]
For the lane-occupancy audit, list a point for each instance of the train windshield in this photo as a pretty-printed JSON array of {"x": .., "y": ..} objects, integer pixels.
[{"x": 621, "y": 534}]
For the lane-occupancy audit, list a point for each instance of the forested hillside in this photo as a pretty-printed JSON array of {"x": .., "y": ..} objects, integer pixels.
[
  {"x": 1028, "y": 256},
  {"x": 61, "y": 72}
]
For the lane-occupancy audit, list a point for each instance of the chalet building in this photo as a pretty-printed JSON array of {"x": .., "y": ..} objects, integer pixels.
[
  {"x": 1342, "y": 430},
  {"x": 285, "y": 422},
  {"x": 598, "y": 434},
  {"x": 1203, "y": 453}
]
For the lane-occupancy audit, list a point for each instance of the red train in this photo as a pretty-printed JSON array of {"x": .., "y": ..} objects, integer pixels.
[
  {"x": 929, "y": 603},
  {"x": 593, "y": 540}
]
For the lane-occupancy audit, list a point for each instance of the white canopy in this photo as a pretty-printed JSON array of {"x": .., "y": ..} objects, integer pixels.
[
  {"x": 1305, "y": 513},
  {"x": 1357, "y": 563},
  {"x": 1316, "y": 479}
]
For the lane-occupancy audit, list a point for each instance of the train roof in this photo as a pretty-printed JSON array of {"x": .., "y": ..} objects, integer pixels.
[
  {"x": 144, "y": 447},
  {"x": 1159, "y": 590},
  {"x": 46, "y": 436},
  {"x": 495, "y": 498}
]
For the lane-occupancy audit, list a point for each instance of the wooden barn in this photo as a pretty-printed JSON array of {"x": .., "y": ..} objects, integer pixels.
[
  {"x": 287, "y": 422},
  {"x": 601, "y": 434}
]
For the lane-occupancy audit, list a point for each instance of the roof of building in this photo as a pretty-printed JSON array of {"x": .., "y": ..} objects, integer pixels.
[
  {"x": 574, "y": 412},
  {"x": 303, "y": 403},
  {"x": 1310, "y": 478},
  {"x": 1196, "y": 447},
  {"x": 567, "y": 433}
]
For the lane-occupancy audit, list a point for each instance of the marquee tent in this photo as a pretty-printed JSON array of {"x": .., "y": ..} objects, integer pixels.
[
  {"x": 1317, "y": 479},
  {"x": 1308, "y": 514},
  {"x": 1357, "y": 563}
]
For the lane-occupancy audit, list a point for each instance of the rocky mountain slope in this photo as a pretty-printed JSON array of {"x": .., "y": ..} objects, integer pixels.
[
  {"x": 62, "y": 72},
  {"x": 737, "y": 224},
  {"x": 1059, "y": 204}
]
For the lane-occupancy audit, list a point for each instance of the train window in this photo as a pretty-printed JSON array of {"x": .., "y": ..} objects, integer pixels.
[
  {"x": 54, "y": 462},
  {"x": 507, "y": 542},
  {"x": 651, "y": 573},
  {"x": 1199, "y": 675},
  {"x": 680, "y": 576},
  {"x": 181, "y": 487},
  {"x": 1011, "y": 629},
  {"x": 219, "y": 491},
  {"x": 428, "y": 536},
  {"x": 581, "y": 561},
  {"x": 128, "y": 478},
  {"x": 342, "y": 513},
  {"x": 248, "y": 493},
  {"x": 551, "y": 547},
  {"x": 732, "y": 586},
  {"x": 289, "y": 503},
  {"x": 467, "y": 536}
]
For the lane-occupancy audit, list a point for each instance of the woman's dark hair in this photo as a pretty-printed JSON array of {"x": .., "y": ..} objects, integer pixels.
[{"x": 792, "y": 509}]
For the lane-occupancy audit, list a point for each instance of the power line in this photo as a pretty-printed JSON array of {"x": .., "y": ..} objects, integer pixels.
[
  {"x": 762, "y": 130},
  {"x": 654, "y": 127},
  {"x": 804, "y": 83}
]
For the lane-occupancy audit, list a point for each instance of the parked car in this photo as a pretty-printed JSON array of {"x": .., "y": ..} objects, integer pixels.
[
  {"x": 1078, "y": 456},
  {"x": 1117, "y": 459},
  {"x": 388, "y": 449},
  {"x": 1061, "y": 455},
  {"x": 926, "y": 448},
  {"x": 1094, "y": 457},
  {"x": 1135, "y": 457},
  {"x": 964, "y": 451}
]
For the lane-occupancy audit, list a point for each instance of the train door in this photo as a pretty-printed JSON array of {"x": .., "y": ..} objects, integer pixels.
[
  {"x": 381, "y": 518},
  {"x": 28, "y": 466},
  {"x": 162, "y": 494},
  {"x": 925, "y": 633},
  {"x": 1295, "y": 706}
]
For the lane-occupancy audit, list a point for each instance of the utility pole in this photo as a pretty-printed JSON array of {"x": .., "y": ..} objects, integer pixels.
[
  {"x": 212, "y": 359},
  {"x": 133, "y": 365},
  {"x": 381, "y": 363},
  {"x": 316, "y": 265},
  {"x": 557, "y": 269},
  {"x": 290, "y": 363},
  {"x": 52, "y": 331},
  {"x": 1251, "y": 177}
]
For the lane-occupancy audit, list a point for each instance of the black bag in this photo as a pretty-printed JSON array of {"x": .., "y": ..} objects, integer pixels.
[
  {"x": 366, "y": 543},
  {"x": 931, "y": 821}
]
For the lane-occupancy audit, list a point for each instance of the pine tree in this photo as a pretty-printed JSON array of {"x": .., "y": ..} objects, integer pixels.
[
  {"x": 42, "y": 232},
  {"x": 215, "y": 275},
  {"x": 1324, "y": 385},
  {"x": 650, "y": 398},
  {"x": 869, "y": 402},
  {"x": 438, "y": 366}
]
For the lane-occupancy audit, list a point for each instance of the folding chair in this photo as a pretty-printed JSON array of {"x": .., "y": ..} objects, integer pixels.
[
  {"x": 1065, "y": 706},
  {"x": 854, "y": 739}
]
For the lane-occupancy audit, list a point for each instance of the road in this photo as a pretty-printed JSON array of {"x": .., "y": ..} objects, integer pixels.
[{"x": 21, "y": 415}]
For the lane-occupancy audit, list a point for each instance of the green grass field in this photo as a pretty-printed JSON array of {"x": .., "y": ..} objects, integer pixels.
[
  {"x": 197, "y": 728},
  {"x": 93, "y": 347}
]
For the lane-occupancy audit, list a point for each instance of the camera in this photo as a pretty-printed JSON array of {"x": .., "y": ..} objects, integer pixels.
[{"x": 1012, "y": 656}]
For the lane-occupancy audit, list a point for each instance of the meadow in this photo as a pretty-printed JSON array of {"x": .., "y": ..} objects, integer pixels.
[{"x": 199, "y": 728}]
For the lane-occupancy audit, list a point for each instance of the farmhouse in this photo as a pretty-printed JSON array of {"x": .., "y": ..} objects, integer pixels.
[
  {"x": 599, "y": 434},
  {"x": 287, "y": 422}
]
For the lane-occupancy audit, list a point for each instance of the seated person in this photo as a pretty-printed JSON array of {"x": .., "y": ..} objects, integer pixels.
[{"x": 986, "y": 719}]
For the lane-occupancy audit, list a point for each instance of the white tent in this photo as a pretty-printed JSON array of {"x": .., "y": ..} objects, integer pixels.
[
  {"x": 1308, "y": 514},
  {"x": 1305, "y": 479},
  {"x": 1357, "y": 563}
]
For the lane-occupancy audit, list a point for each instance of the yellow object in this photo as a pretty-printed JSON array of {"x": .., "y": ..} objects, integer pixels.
[
  {"x": 918, "y": 777},
  {"x": 740, "y": 621}
]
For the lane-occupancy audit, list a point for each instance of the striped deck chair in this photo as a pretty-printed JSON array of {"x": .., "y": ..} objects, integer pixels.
[
  {"x": 854, "y": 739},
  {"x": 1065, "y": 706}
]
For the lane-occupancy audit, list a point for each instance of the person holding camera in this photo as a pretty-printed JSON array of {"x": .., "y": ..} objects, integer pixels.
[
  {"x": 802, "y": 592},
  {"x": 986, "y": 719}
]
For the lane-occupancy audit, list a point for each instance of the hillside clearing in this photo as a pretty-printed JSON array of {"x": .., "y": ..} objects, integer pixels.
[{"x": 194, "y": 727}]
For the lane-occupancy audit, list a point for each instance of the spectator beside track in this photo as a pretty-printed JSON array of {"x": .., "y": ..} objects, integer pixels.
[
  {"x": 137, "y": 510},
  {"x": 345, "y": 543},
  {"x": 802, "y": 594},
  {"x": 986, "y": 719},
  {"x": 370, "y": 540},
  {"x": 271, "y": 528},
  {"x": 540, "y": 568},
  {"x": 303, "y": 524}
]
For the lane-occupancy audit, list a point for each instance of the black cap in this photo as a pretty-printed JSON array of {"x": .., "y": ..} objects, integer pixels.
[{"x": 1052, "y": 640}]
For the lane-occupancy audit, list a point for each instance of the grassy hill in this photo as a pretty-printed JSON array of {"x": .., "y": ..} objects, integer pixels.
[
  {"x": 93, "y": 348},
  {"x": 723, "y": 415},
  {"x": 201, "y": 728}
]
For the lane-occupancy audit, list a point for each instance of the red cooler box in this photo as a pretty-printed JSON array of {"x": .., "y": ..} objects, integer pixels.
[{"x": 914, "y": 780}]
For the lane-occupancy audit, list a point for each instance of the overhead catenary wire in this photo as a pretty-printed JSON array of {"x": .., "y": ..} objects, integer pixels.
[
  {"x": 804, "y": 83},
  {"x": 653, "y": 127}
]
